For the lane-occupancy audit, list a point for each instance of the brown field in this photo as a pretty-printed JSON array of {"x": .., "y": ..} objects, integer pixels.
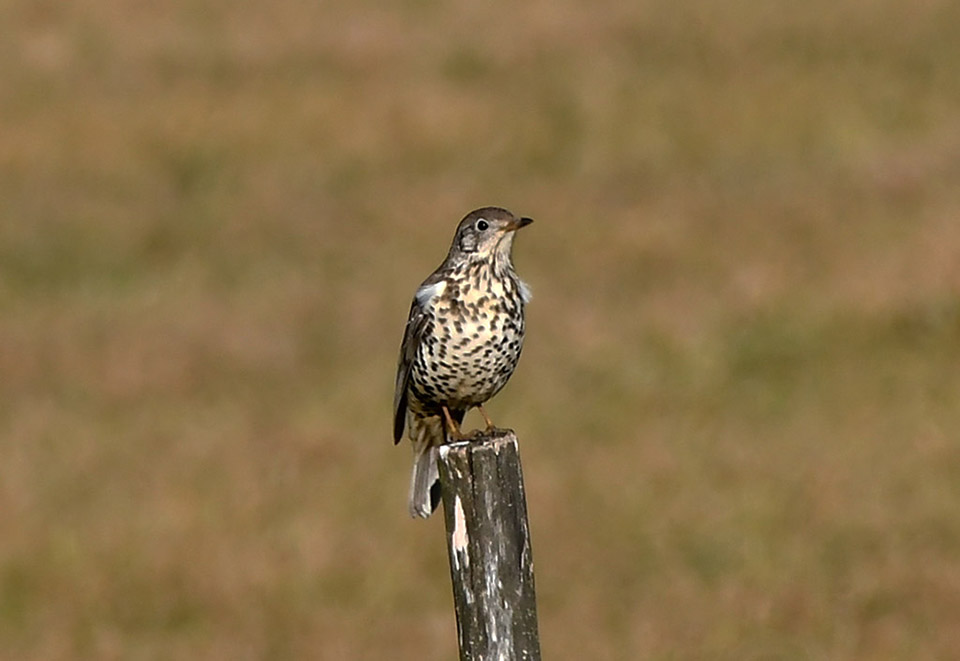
[{"x": 739, "y": 405}]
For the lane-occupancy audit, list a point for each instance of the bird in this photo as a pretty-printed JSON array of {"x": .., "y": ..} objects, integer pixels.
[{"x": 461, "y": 344}]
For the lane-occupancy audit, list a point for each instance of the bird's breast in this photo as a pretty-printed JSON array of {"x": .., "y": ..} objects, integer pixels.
[{"x": 473, "y": 342}]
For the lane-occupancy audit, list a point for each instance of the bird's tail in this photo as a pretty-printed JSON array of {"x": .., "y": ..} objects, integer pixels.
[{"x": 427, "y": 435}]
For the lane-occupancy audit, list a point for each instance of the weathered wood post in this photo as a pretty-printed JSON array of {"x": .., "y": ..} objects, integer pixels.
[{"x": 488, "y": 539}]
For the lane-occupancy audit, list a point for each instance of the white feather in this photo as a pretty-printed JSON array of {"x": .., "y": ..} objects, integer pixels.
[
  {"x": 525, "y": 292},
  {"x": 427, "y": 293}
]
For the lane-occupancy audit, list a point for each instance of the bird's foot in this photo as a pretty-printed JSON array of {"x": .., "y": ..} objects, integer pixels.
[
  {"x": 454, "y": 435},
  {"x": 491, "y": 428},
  {"x": 488, "y": 432}
]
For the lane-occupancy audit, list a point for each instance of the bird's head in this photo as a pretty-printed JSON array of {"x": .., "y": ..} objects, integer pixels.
[{"x": 487, "y": 234}]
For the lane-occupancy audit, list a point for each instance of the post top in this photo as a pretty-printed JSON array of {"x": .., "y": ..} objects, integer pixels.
[{"x": 479, "y": 440}]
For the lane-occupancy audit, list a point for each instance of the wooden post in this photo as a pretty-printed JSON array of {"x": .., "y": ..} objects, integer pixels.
[{"x": 488, "y": 539}]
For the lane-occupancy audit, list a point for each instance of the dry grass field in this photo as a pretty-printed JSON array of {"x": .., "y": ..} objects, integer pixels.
[{"x": 739, "y": 405}]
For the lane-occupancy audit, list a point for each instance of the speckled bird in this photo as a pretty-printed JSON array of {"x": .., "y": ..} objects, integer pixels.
[{"x": 461, "y": 345}]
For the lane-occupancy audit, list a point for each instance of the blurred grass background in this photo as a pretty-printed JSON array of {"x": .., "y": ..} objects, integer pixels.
[{"x": 739, "y": 400}]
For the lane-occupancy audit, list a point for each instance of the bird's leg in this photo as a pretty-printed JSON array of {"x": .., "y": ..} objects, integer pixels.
[
  {"x": 454, "y": 428},
  {"x": 486, "y": 418}
]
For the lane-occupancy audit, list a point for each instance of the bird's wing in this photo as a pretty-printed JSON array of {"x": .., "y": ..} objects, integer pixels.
[
  {"x": 408, "y": 351},
  {"x": 416, "y": 323}
]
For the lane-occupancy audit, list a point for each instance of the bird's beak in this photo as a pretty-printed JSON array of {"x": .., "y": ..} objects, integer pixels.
[{"x": 518, "y": 223}]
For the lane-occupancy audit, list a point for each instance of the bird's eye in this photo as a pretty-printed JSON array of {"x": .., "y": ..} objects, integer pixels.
[{"x": 482, "y": 224}]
